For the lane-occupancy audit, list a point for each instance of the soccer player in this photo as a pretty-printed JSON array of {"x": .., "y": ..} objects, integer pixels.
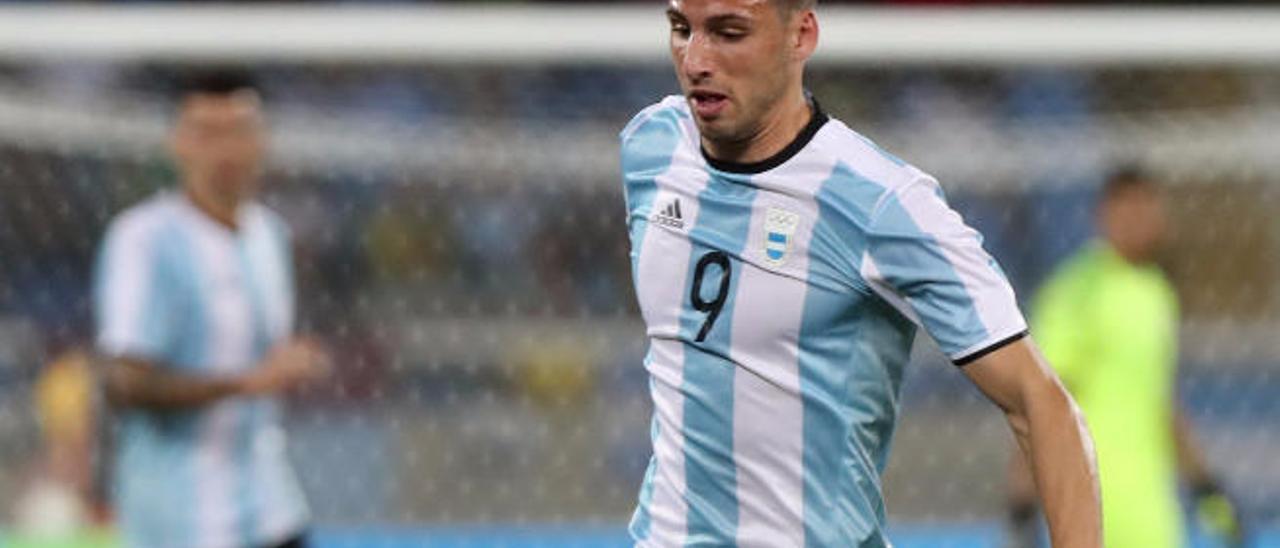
[
  {"x": 1108, "y": 323},
  {"x": 194, "y": 302},
  {"x": 783, "y": 265}
]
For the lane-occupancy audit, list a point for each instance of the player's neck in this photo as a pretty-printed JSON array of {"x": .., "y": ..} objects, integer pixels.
[
  {"x": 778, "y": 129},
  {"x": 1129, "y": 253},
  {"x": 221, "y": 209}
]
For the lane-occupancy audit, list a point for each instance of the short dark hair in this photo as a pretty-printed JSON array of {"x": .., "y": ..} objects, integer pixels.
[
  {"x": 1126, "y": 178},
  {"x": 216, "y": 81},
  {"x": 788, "y": 7}
]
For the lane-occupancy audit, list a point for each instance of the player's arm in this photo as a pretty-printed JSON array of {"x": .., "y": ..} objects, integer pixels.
[
  {"x": 1063, "y": 327},
  {"x": 1191, "y": 460},
  {"x": 1214, "y": 508},
  {"x": 1051, "y": 434},
  {"x": 133, "y": 382},
  {"x": 923, "y": 259},
  {"x": 1021, "y": 499}
]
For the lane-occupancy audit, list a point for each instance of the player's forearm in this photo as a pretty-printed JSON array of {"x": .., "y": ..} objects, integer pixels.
[
  {"x": 133, "y": 383},
  {"x": 1191, "y": 459},
  {"x": 1052, "y": 434},
  {"x": 1021, "y": 486}
]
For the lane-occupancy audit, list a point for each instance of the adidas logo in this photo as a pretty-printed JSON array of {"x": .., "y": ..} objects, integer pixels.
[{"x": 670, "y": 215}]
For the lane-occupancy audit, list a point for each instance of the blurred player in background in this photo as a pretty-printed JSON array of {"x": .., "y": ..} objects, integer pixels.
[
  {"x": 194, "y": 301},
  {"x": 1108, "y": 322},
  {"x": 62, "y": 505},
  {"x": 783, "y": 265}
]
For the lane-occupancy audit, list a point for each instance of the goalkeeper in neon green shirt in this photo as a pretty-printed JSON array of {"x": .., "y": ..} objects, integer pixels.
[{"x": 1107, "y": 320}]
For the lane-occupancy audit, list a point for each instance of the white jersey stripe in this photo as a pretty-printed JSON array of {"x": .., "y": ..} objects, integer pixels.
[
  {"x": 768, "y": 409},
  {"x": 126, "y": 284},
  {"x": 229, "y": 347}
]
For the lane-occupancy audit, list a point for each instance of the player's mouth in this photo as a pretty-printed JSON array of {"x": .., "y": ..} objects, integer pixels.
[{"x": 708, "y": 104}]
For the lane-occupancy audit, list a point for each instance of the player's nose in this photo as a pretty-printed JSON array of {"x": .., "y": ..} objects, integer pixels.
[{"x": 696, "y": 61}]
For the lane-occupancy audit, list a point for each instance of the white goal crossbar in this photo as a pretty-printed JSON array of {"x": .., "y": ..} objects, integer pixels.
[{"x": 633, "y": 33}]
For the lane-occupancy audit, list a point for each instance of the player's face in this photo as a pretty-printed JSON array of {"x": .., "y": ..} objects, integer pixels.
[
  {"x": 735, "y": 60},
  {"x": 1138, "y": 222},
  {"x": 219, "y": 142}
]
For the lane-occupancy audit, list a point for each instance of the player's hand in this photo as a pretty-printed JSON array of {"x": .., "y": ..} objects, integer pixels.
[
  {"x": 1218, "y": 515},
  {"x": 289, "y": 364}
]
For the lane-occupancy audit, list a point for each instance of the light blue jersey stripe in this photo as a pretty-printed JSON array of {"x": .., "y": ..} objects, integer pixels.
[
  {"x": 192, "y": 351},
  {"x": 829, "y": 331},
  {"x": 641, "y": 521},
  {"x": 660, "y": 134},
  {"x": 913, "y": 261},
  {"x": 845, "y": 203},
  {"x": 723, "y": 224}
]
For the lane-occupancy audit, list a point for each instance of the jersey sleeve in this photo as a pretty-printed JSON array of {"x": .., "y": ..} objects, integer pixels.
[
  {"x": 133, "y": 307},
  {"x": 647, "y": 146},
  {"x": 925, "y": 261}
]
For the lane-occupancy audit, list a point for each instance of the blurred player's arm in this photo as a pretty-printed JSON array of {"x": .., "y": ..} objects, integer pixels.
[
  {"x": 1052, "y": 435},
  {"x": 133, "y": 382},
  {"x": 1191, "y": 460},
  {"x": 1214, "y": 508}
]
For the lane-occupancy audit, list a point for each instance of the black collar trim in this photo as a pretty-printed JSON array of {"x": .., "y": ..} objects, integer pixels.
[{"x": 817, "y": 118}]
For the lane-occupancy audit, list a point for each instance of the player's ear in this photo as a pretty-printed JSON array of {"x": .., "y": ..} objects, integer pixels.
[{"x": 806, "y": 34}]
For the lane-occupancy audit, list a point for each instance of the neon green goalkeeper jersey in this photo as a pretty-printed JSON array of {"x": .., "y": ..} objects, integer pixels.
[{"x": 1109, "y": 328}]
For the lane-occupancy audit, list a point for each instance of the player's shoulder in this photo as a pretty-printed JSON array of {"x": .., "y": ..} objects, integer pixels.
[
  {"x": 667, "y": 114},
  {"x": 268, "y": 218},
  {"x": 866, "y": 160},
  {"x": 141, "y": 222},
  {"x": 865, "y": 176}
]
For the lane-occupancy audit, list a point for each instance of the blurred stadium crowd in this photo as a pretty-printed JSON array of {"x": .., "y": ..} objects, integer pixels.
[{"x": 479, "y": 301}]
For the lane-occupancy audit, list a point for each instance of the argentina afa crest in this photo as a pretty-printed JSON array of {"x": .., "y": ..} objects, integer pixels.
[{"x": 779, "y": 231}]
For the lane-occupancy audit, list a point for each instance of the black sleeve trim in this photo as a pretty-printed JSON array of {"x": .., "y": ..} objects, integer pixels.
[{"x": 966, "y": 360}]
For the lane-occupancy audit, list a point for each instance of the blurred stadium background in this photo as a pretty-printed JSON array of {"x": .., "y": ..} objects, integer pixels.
[{"x": 450, "y": 175}]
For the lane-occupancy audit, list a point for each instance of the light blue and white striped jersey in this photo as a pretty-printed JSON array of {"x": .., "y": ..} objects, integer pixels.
[
  {"x": 781, "y": 299},
  {"x": 184, "y": 292}
]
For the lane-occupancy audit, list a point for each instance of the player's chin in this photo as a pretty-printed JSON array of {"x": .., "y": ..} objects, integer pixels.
[{"x": 715, "y": 129}]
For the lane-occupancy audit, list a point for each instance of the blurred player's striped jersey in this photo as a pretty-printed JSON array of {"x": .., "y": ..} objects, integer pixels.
[
  {"x": 781, "y": 299},
  {"x": 178, "y": 289}
]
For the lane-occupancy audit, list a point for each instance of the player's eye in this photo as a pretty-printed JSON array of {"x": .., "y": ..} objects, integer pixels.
[
  {"x": 731, "y": 33},
  {"x": 680, "y": 28}
]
